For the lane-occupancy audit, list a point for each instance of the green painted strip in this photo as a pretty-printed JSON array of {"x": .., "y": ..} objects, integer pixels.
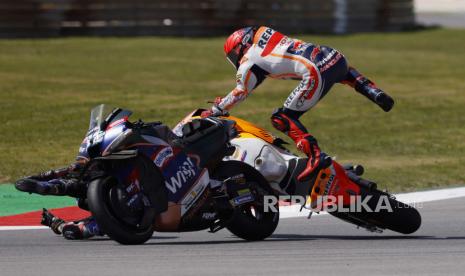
[{"x": 14, "y": 202}]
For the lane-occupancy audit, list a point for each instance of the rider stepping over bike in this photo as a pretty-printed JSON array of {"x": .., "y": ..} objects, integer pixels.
[{"x": 258, "y": 53}]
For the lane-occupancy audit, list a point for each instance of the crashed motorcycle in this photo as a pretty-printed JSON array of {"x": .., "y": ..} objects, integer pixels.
[
  {"x": 338, "y": 189},
  {"x": 135, "y": 182}
]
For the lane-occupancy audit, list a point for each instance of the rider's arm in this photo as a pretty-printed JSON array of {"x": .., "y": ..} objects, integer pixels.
[{"x": 246, "y": 81}]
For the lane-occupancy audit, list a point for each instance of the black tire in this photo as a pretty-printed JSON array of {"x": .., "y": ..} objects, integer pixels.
[
  {"x": 245, "y": 224},
  {"x": 107, "y": 220},
  {"x": 404, "y": 218}
]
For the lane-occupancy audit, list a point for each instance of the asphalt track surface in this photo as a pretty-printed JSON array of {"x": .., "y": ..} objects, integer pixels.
[{"x": 298, "y": 247}]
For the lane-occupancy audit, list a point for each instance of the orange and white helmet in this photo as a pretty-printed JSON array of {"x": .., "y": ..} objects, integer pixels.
[{"x": 237, "y": 44}]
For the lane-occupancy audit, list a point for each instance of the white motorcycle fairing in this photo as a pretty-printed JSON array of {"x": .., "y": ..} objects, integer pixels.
[{"x": 277, "y": 165}]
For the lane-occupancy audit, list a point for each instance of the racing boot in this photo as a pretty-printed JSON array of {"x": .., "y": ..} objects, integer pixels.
[
  {"x": 52, "y": 174},
  {"x": 83, "y": 229},
  {"x": 54, "y": 182},
  {"x": 50, "y": 220},
  {"x": 316, "y": 159},
  {"x": 368, "y": 89},
  {"x": 57, "y": 187},
  {"x": 287, "y": 121},
  {"x": 376, "y": 95},
  {"x": 38, "y": 183}
]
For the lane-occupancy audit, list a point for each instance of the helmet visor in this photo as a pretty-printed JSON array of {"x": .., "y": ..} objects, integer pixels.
[{"x": 234, "y": 56}]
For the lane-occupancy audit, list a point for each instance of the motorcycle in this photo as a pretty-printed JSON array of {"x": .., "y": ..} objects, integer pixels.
[
  {"x": 137, "y": 182},
  {"x": 339, "y": 189}
]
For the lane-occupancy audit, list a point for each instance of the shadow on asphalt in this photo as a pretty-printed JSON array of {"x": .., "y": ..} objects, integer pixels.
[
  {"x": 295, "y": 237},
  {"x": 338, "y": 237},
  {"x": 106, "y": 238},
  {"x": 283, "y": 238}
]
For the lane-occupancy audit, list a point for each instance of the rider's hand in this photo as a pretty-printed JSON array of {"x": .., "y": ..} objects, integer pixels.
[
  {"x": 214, "y": 110},
  {"x": 206, "y": 113}
]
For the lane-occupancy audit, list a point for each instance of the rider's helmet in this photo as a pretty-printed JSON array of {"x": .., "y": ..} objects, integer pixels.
[{"x": 237, "y": 44}]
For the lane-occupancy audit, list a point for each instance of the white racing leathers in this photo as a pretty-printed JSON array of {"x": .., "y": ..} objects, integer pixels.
[{"x": 277, "y": 56}]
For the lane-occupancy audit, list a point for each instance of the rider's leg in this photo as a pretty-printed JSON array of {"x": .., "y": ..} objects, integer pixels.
[
  {"x": 332, "y": 68},
  {"x": 54, "y": 182},
  {"x": 59, "y": 187},
  {"x": 367, "y": 88},
  {"x": 287, "y": 121}
]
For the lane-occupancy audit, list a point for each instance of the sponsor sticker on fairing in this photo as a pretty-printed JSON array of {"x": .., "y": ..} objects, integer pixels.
[
  {"x": 162, "y": 156},
  {"x": 209, "y": 216},
  {"x": 242, "y": 199},
  {"x": 198, "y": 188},
  {"x": 186, "y": 172}
]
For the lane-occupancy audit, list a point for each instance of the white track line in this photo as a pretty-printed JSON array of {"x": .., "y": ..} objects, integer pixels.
[
  {"x": 9, "y": 228},
  {"x": 432, "y": 195},
  {"x": 414, "y": 198},
  {"x": 293, "y": 211}
]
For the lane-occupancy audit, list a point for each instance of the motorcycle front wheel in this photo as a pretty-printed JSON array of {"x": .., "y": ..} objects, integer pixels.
[{"x": 100, "y": 196}]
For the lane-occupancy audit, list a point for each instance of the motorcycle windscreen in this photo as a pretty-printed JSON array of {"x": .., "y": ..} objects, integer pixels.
[
  {"x": 102, "y": 112},
  {"x": 97, "y": 115}
]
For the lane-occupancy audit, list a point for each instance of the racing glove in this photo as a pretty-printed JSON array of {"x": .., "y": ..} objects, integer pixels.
[
  {"x": 215, "y": 110},
  {"x": 55, "y": 223}
]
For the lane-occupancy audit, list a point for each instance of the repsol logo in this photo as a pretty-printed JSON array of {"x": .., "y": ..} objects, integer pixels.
[
  {"x": 185, "y": 172},
  {"x": 265, "y": 38}
]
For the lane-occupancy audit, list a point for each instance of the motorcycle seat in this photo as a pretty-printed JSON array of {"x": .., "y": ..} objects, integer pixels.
[{"x": 204, "y": 137}]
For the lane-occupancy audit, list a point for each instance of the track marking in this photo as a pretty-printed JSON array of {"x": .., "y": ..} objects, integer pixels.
[
  {"x": 414, "y": 198},
  {"x": 9, "y": 228},
  {"x": 432, "y": 195}
]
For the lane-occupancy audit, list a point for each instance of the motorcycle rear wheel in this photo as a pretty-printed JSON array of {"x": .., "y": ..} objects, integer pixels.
[
  {"x": 249, "y": 221},
  {"x": 98, "y": 196}
]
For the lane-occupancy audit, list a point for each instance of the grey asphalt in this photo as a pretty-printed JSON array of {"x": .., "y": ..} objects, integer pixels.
[{"x": 299, "y": 247}]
